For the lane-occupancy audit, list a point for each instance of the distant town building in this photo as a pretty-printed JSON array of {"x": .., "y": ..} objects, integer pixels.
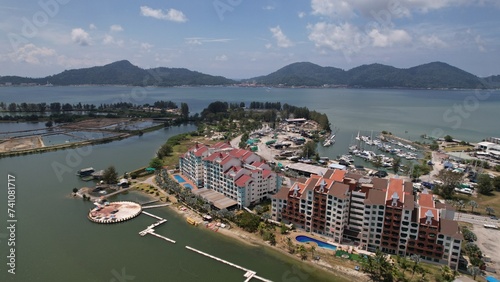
[
  {"x": 372, "y": 213},
  {"x": 236, "y": 173}
]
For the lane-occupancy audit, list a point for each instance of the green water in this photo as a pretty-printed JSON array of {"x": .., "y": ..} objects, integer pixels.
[{"x": 56, "y": 242}]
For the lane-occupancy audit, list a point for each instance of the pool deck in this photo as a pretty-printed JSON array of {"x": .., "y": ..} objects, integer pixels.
[{"x": 186, "y": 181}]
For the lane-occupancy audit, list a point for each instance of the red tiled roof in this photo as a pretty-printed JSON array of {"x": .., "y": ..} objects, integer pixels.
[
  {"x": 423, "y": 217},
  {"x": 426, "y": 200},
  {"x": 266, "y": 173},
  {"x": 395, "y": 186},
  {"x": 338, "y": 175},
  {"x": 282, "y": 193},
  {"x": 380, "y": 183},
  {"x": 242, "y": 181},
  {"x": 199, "y": 151},
  {"x": 214, "y": 156},
  {"x": 339, "y": 190}
]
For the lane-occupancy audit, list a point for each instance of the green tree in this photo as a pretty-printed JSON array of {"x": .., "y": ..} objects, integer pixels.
[
  {"x": 283, "y": 228},
  {"x": 165, "y": 150},
  {"x": 448, "y": 138},
  {"x": 156, "y": 163},
  {"x": 243, "y": 141},
  {"x": 302, "y": 252},
  {"x": 496, "y": 183},
  {"x": 248, "y": 221},
  {"x": 396, "y": 164},
  {"x": 290, "y": 245},
  {"x": 489, "y": 210},
  {"x": 484, "y": 184},
  {"x": 474, "y": 271},
  {"x": 309, "y": 149},
  {"x": 110, "y": 176},
  {"x": 450, "y": 180},
  {"x": 272, "y": 239},
  {"x": 473, "y": 204},
  {"x": 184, "y": 111},
  {"x": 377, "y": 162}
]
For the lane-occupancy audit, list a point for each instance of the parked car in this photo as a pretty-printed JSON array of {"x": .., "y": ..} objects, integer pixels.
[
  {"x": 494, "y": 217},
  {"x": 380, "y": 173},
  {"x": 428, "y": 185}
]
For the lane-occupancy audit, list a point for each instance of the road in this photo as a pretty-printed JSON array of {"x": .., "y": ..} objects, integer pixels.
[{"x": 475, "y": 219}]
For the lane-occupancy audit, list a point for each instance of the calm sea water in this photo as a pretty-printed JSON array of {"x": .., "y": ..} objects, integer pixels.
[
  {"x": 55, "y": 242},
  {"x": 464, "y": 114}
]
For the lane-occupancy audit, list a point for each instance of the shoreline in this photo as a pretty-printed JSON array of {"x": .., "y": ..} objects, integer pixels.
[{"x": 251, "y": 239}]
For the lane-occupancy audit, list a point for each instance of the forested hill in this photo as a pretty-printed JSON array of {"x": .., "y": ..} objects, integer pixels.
[
  {"x": 436, "y": 75},
  {"x": 124, "y": 73},
  {"x": 432, "y": 75}
]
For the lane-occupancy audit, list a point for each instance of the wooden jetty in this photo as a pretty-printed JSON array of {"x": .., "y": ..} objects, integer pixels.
[
  {"x": 150, "y": 229},
  {"x": 156, "y": 206},
  {"x": 249, "y": 274}
]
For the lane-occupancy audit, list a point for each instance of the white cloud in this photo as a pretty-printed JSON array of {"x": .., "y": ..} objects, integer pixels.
[
  {"x": 31, "y": 54},
  {"x": 80, "y": 37},
  {"x": 110, "y": 40},
  {"x": 268, "y": 45},
  {"x": 389, "y": 37},
  {"x": 170, "y": 14},
  {"x": 221, "y": 58},
  {"x": 281, "y": 39},
  {"x": 202, "y": 40},
  {"x": 432, "y": 41},
  {"x": 116, "y": 27},
  {"x": 268, "y": 8},
  {"x": 383, "y": 9},
  {"x": 92, "y": 26},
  {"x": 344, "y": 37},
  {"x": 146, "y": 46},
  {"x": 301, "y": 15}
]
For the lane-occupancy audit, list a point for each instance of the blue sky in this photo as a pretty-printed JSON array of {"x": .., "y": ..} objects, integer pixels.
[{"x": 247, "y": 38}]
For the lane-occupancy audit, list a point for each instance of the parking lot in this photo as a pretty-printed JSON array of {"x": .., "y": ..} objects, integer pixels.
[{"x": 488, "y": 240}]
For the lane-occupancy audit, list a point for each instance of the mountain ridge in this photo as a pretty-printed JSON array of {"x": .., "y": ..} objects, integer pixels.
[{"x": 433, "y": 75}]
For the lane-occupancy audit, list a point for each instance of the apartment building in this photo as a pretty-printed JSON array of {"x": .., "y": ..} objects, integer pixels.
[
  {"x": 236, "y": 173},
  {"x": 372, "y": 213}
]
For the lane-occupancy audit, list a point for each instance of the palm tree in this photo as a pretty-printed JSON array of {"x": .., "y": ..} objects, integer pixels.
[
  {"x": 303, "y": 252},
  {"x": 474, "y": 271},
  {"x": 312, "y": 249},
  {"x": 473, "y": 204},
  {"x": 290, "y": 245},
  {"x": 489, "y": 210}
]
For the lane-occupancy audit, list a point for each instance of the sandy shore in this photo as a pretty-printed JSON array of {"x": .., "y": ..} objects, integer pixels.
[{"x": 253, "y": 239}]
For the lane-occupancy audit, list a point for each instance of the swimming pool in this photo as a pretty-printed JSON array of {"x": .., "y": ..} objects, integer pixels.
[
  {"x": 179, "y": 178},
  {"x": 187, "y": 185},
  {"x": 321, "y": 244}
]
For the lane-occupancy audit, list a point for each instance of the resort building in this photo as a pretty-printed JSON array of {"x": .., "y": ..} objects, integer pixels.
[
  {"x": 372, "y": 213},
  {"x": 236, "y": 173}
]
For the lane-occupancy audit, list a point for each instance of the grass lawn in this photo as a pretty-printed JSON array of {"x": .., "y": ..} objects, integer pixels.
[
  {"x": 492, "y": 201},
  {"x": 458, "y": 148},
  {"x": 178, "y": 150}
]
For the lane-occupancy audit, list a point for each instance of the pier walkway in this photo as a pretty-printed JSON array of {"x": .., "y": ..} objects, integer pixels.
[
  {"x": 152, "y": 215},
  {"x": 150, "y": 229},
  {"x": 149, "y": 202},
  {"x": 155, "y": 206},
  {"x": 249, "y": 274}
]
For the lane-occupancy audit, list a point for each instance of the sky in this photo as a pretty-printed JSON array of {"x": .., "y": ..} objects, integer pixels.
[{"x": 247, "y": 38}]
